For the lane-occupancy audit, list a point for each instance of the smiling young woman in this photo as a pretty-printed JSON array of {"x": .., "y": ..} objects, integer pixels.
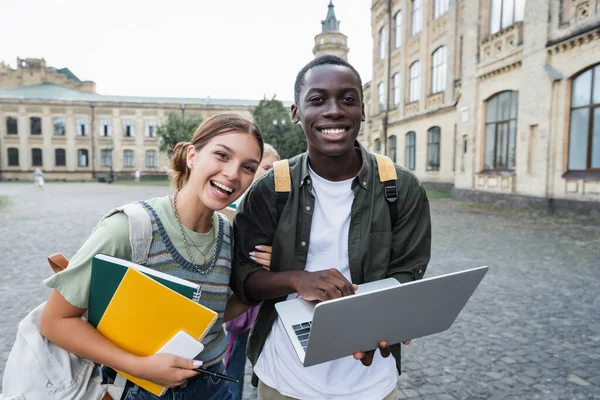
[{"x": 189, "y": 240}]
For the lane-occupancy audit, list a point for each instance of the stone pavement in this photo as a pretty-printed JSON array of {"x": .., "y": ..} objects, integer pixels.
[{"x": 531, "y": 330}]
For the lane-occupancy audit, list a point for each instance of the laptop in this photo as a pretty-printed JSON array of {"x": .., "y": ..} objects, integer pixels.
[{"x": 381, "y": 310}]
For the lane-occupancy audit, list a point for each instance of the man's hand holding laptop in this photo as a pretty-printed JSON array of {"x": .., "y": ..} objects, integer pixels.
[{"x": 332, "y": 284}]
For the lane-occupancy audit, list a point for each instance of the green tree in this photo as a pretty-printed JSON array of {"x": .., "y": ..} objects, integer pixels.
[
  {"x": 177, "y": 129},
  {"x": 274, "y": 121}
]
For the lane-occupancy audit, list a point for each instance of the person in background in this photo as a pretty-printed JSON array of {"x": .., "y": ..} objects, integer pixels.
[
  {"x": 38, "y": 178},
  {"x": 137, "y": 175},
  {"x": 238, "y": 328}
]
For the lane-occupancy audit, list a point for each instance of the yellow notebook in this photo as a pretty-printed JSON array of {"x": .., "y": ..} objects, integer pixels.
[{"x": 143, "y": 315}]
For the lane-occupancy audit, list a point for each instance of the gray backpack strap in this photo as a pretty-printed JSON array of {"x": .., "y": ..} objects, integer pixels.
[{"x": 140, "y": 230}]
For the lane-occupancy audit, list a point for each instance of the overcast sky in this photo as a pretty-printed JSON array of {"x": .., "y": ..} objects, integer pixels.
[{"x": 219, "y": 48}]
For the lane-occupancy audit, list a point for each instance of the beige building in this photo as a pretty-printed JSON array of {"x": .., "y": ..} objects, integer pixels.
[
  {"x": 499, "y": 98},
  {"x": 52, "y": 120},
  {"x": 331, "y": 40}
]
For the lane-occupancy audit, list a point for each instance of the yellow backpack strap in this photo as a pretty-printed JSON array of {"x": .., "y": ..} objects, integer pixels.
[
  {"x": 388, "y": 176},
  {"x": 283, "y": 183},
  {"x": 387, "y": 170}
]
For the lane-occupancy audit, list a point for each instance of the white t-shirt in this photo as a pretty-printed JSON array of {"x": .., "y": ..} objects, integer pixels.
[{"x": 278, "y": 365}]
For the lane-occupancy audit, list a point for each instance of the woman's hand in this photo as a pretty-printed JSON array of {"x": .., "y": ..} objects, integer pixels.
[
  {"x": 166, "y": 370},
  {"x": 262, "y": 255}
]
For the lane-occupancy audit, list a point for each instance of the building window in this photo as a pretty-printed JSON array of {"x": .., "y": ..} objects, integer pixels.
[
  {"x": 13, "y": 157},
  {"x": 377, "y": 145},
  {"x": 82, "y": 158},
  {"x": 59, "y": 126},
  {"x": 501, "y": 131},
  {"x": 584, "y": 131},
  {"x": 393, "y": 148},
  {"x": 82, "y": 126},
  {"x": 438, "y": 70},
  {"x": 382, "y": 43},
  {"x": 150, "y": 128},
  {"x": 415, "y": 82},
  {"x": 128, "y": 127},
  {"x": 11, "y": 126},
  {"x": 411, "y": 148},
  {"x": 504, "y": 13},
  {"x": 36, "y": 157},
  {"x": 105, "y": 127},
  {"x": 398, "y": 29},
  {"x": 381, "y": 97},
  {"x": 433, "y": 148},
  {"x": 128, "y": 158},
  {"x": 106, "y": 157},
  {"x": 440, "y": 7},
  {"x": 60, "y": 157},
  {"x": 35, "y": 125},
  {"x": 397, "y": 93},
  {"x": 151, "y": 158},
  {"x": 417, "y": 16}
]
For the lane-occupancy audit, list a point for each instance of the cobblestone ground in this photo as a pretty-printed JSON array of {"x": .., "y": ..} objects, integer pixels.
[{"x": 531, "y": 331}]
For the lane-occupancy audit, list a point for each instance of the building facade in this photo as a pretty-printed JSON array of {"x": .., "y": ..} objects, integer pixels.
[
  {"x": 498, "y": 98},
  {"x": 52, "y": 120}
]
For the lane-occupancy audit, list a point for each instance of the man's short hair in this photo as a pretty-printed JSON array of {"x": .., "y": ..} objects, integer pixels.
[{"x": 323, "y": 60}]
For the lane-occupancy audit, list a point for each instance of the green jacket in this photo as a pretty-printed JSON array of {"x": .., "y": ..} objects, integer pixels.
[{"x": 376, "y": 249}]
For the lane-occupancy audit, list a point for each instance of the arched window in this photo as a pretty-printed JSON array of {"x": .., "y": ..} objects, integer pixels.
[
  {"x": 433, "y": 148},
  {"x": 501, "y": 131},
  {"x": 504, "y": 13},
  {"x": 382, "y": 43},
  {"x": 584, "y": 130},
  {"x": 151, "y": 158},
  {"x": 377, "y": 144},
  {"x": 415, "y": 82},
  {"x": 381, "y": 97},
  {"x": 128, "y": 160},
  {"x": 410, "y": 150},
  {"x": 398, "y": 29},
  {"x": 438, "y": 70},
  {"x": 60, "y": 157},
  {"x": 393, "y": 148},
  {"x": 397, "y": 93},
  {"x": 417, "y": 16},
  {"x": 36, "y": 157}
]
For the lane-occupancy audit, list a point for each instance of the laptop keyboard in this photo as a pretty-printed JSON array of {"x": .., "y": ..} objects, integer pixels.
[{"x": 302, "y": 332}]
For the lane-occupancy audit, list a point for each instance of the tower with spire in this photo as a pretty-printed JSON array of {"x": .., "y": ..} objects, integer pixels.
[{"x": 331, "y": 40}]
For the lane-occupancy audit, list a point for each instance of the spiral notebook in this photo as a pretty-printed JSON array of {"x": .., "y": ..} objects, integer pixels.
[{"x": 140, "y": 309}]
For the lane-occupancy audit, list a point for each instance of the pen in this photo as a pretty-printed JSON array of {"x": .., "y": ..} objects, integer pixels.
[{"x": 216, "y": 375}]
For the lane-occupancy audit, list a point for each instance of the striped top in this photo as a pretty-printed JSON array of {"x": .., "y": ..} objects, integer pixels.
[{"x": 164, "y": 257}]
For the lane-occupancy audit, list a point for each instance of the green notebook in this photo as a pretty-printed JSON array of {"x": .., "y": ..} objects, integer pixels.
[{"x": 107, "y": 273}]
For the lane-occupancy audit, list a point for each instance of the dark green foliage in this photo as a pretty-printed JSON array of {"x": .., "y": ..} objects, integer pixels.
[{"x": 177, "y": 129}]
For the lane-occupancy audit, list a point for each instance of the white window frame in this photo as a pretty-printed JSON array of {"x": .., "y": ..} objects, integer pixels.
[
  {"x": 81, "y": 126},
  {"x": 440, "y": 7},
  {"x": 504, "y": 13},
  {"x": 62, "y": 121},
  {"x": 81, "y": 155},
  {"x": 153, "y": 158},
  {"x": 398, "y": 29},
  {"x": 127, "y": 122},
  {"x": 439, "y": 68},
  {"x": 381, "y": 97},
  {"x": 128, "y": 158},
  {"x": 105, "y": 127},
  {"x": 397, "y": 81},
  {"x": 382, "y": 43},
  {"x": 414, "y": 90},
  {"x": 150, "y": 128},
  {"x": 416, "y": 25}
]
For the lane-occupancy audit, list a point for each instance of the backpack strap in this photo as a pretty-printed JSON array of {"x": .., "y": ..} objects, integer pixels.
[
  {"x": 283, "y": 183},
  {"x": 140, "y": 230},
  {"x": 388, "y": 176}
]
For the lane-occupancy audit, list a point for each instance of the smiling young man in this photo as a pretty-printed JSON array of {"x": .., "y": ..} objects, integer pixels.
[{"x": 334, "y": 231}]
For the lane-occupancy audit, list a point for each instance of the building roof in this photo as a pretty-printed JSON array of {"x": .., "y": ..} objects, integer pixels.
[
  {"x": 51, "y": 91},
  {"x": 330, "y": 24},
  {"x": 67, "y": 72}
]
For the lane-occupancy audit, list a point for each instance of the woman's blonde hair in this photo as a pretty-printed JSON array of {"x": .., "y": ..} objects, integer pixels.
[
  {"x": 219, "y": 124},
  {"x": 270, "y": 151}
]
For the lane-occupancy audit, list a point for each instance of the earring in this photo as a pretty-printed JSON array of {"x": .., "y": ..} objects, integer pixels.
[{"x": 191, "y": 165}]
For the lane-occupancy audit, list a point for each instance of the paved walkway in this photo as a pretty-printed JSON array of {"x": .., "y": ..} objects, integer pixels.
[{"x": 531, "y": 331}]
